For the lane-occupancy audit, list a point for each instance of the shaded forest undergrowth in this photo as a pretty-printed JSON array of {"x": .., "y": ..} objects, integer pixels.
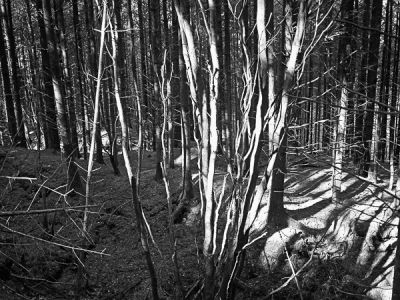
[{"x": 349, "y": 254}]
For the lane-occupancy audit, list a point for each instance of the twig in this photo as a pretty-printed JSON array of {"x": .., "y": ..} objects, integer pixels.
[
  {"x": 41, "y": 211},
  {"x": 294, "y": 273},
  {"x": 293, "y": 276},
  {"x": 53, "y": 243}
]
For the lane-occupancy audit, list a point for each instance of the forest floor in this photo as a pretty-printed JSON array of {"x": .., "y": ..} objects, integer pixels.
[{"x": 349, "y": 255}]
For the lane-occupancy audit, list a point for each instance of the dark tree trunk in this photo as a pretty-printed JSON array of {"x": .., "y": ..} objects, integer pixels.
[
  {"x": 144, "y": 85},
  {"x": 122, "y": 63},
  {"x": 11, "y": 120},
  {"x": 20, "y": 138},
  {"x": 359, "y": 151},
  {"x": 155, "y": 25},
  {"x": 36, "y": 81},
  {"x": 227, "y": 99},
  {"x": 69, "y": 99},
  {"x": 79, "y": 59},
  {"x": 74, "y": 181},
  {"x": 373, "y": 56},
  {"x": 90, "y": 24},
  {"x": 345, "y": 64},
  {"x": 48, "y": 93}
]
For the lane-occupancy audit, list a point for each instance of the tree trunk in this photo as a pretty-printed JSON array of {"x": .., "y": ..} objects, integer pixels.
[
  {"x": 74, "y": 182},
  {"x": 140, "y": 219},
  {"x": 226, "y": 103},
  {"x": 11, "y": 120},
  {"x": 155, "y": 25},
  {"x": 36, "y": 82},
  {"x": 48, "y": 93},
  {"x": 394, "y": 119},
  {"x": 90, "y": 23},
  {"x": 344, "y": 67},
  {"x": 179, "y": 88},
  {"x": 69, "y": 100},
  {"x": 373, "y": 56},
  {"x": 20, "y": 138},
  {"x": 170, "y": 103},
  {"x": 79, "y": 62},
  {"x": 144, "y": 76}
]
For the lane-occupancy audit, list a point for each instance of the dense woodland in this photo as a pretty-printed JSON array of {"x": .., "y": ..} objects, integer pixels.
[{"x": 214, "y": 149}]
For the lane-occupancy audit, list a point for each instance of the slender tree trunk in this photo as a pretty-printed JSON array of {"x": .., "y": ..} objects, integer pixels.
[
  {"x": 209, "y": 215},
  {"x": 227, "y": 109},
  {"x": 144, "y": 76},
  {"x": 170, "y": 103},
  {"x": 155, "y": 25},
  {"x": 74, "y": 182},
  {"x": 384, "y": 93},
  {"x": 70, "y": 101},
  {"x": 344, "y": 66},
  {"x": 394, "y": 119},
  {"x": 369, "y": 115},
  {"x": 36, "y": 81},
  {"x": 79, "y": 61},
  {"x": 179, "y": 88},
  {"x": 5, "y": 74},
  {"x": 7, "y": 17},
  {"x": 90, "y": 23},
  {"x": 122, "y": 63},
  {"x": 140, "y": 219},
  {"x": 48, "y": 93},
  {"x": 359, "y": 150}
]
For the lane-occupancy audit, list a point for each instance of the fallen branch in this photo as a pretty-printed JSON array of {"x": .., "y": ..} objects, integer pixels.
[{"x": 40, "y": 211}]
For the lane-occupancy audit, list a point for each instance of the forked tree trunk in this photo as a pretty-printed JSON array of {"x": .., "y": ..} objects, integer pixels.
[
  {"x": 269, "y": 193},
  {"x": 195, "y": 81},
  {"x": 180, "y": 86},
  {"x": 209, "y": 214}
]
